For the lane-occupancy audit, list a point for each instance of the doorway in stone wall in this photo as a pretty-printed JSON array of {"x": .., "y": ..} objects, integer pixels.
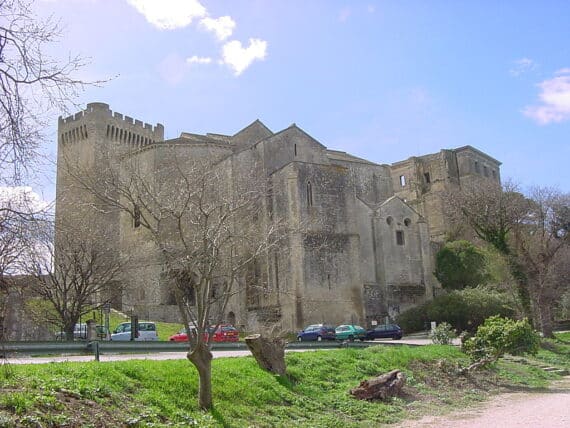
[{"x": 232, "y": 318}]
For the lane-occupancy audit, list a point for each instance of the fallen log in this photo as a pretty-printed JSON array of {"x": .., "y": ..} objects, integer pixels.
[
  {"x": 384, "y": 386},
  {"x": 269, "y": 352}
]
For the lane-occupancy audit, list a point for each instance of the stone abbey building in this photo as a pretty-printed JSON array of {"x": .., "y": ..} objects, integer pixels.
[{"x": 382, "y": 223}]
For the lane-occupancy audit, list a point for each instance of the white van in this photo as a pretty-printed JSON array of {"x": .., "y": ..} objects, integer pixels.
[{"x": 147, "y": 331}]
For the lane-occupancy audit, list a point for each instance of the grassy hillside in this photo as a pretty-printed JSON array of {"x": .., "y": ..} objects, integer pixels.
[{"x": 163, "y": 393}]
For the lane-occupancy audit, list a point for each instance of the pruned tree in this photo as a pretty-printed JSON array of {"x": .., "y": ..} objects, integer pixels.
[
  {"x": 207, "y": 230},
  {"x": 79, "y": 280},
  {"x": 530, "y": 232}
]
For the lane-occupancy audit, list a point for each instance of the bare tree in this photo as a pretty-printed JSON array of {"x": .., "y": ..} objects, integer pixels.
[
  {"x": 20, "y": 216},
  {"x": 208, "y": 232},
  {"x": 542, "y": 242},
  {"x": 32, "y": 83},
  {"x": 531, "y": 233},
  {"x": 81, "y": 279}
]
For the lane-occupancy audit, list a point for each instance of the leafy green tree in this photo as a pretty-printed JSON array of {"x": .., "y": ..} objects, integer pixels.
[{"x": 460, "y": 264}]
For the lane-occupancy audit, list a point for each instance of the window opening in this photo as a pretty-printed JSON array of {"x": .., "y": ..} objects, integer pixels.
[
  {"x": 400, "y": 237},
  {"x": 295, "y": 146},
  {"x": 427, "y": 178},
  {"x": 402, "y": 180},
  {"x": 477, "y": 169},
  {"x": 407, "y": 222},
  {"x": 136, "y": 216},
  {"x": 309, "y": 194}
]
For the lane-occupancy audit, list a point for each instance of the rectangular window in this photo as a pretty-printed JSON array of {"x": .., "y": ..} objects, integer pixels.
[
  {"x": 427, "y": 178},
  {"x": 485, "y": 171},
  {"x": 477, "y": 169},
  {"x": 400, "y": 237},
  {"x": 403, "y": 180}
]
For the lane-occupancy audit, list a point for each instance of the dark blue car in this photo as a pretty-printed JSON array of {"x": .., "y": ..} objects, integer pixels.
[
  {"x": 385, "y": 331},
  {"x": 316, "y": 332}
]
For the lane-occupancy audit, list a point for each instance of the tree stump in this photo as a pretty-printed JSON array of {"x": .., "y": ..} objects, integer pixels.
[
  {"x": 268, "y": 352},
  {"x": 381, "y": 387}
]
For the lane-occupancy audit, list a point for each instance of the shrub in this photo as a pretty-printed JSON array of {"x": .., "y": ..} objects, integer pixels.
[
  {"x": 443, "y": 334},
  {"x": 498, "y": 336},
  {"x": 460, "y": 264},
  {"x": 465, "y": 310}
]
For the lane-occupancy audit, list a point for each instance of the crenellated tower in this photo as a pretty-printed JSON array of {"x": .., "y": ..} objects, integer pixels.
[{"x": 90, "y": 144}]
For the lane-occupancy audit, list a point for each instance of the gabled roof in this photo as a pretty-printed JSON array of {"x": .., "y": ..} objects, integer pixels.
[
  {"x": 347, "y": 157},
  {"x": 397, "y": 199},
  {"x": 251, "y": 134},
  {"x": 294, "y": 128}
]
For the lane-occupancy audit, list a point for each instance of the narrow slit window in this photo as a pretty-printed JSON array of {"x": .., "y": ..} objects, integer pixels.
[
  {"x": 400, "y": 237},
  {"x": 309, "y": 194},
  {"x": 136, "y": 216},
  {"x": 403, "y": 180},
  {"x": 427, "y": 178},
  {"x": 295, "y": 149},
  {"x": 477, "y": 169}
]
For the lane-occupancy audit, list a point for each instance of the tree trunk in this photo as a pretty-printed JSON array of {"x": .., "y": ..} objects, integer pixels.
[
  {"x": 201, "y": 357},
  {"x": 545, "y": 314},
  {"x": 384, "y": 386},
  {"x": 268, "y": 352}
]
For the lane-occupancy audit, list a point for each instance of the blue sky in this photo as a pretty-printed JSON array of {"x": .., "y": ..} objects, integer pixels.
[{"x": 384, "y": 80}]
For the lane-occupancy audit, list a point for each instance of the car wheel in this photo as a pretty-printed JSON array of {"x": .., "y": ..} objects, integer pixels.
[
  {"x": 299, "y": 339},
  {"x": 351, "y": 338},
  {"x": 397, "y": 337},
  {"x": 319, "y": 338}
]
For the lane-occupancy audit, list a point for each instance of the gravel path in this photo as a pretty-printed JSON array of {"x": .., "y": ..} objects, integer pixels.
[{"x": 522, "y": 409}]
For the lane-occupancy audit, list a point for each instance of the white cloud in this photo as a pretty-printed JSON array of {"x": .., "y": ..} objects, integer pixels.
[
  {"x": 223, "y": 26},
  {"x": 22, "y": 198},
  {"x": 169, "y": 14},
  {"x": 521, "y": 66},
  {"x": 195, "y": 59},
  {"x": 554, "y": 100},
  {"x": 239, "y": 58}
]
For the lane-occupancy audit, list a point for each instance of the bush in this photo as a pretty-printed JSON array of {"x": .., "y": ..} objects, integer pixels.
[
  {"x": 443, "y": 334},
  {"x": 498, "y": 336},
  {"x": 465, "y": 310},
  {"x": 460, "y": 264}
]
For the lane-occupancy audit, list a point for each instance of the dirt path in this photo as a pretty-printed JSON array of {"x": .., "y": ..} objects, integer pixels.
[{"x": 549, "y": 409}]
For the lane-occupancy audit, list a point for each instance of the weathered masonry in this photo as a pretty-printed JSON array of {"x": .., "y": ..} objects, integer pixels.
[{"x": 369, "y": 256}]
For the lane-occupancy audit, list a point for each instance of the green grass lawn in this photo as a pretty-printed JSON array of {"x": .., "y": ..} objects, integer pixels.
[{"x": 315, "y": 393}]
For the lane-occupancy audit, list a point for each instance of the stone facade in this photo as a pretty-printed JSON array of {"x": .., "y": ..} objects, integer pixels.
[{"x": 364, "y": 252}]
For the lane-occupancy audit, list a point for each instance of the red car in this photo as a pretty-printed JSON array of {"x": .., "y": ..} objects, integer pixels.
[{"x": 224, "y": 333}]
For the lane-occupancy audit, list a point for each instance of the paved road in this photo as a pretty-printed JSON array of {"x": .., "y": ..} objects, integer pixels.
[{"x": 176, "y": 355}]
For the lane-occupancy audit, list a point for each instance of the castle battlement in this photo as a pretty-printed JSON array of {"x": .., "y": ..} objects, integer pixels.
[{"x": 117, "y": 126}]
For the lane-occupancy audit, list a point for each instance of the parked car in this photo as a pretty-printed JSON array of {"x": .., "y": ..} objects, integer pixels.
[
  {"x": 147, "y": 331},
  {"x": 316, "y": 332},
  {"x": 350, "y": 332},
  {"x": 80, "y": 332},
  {"x": 385, "y": 331},
  {"x": 224, "y": 333}
]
